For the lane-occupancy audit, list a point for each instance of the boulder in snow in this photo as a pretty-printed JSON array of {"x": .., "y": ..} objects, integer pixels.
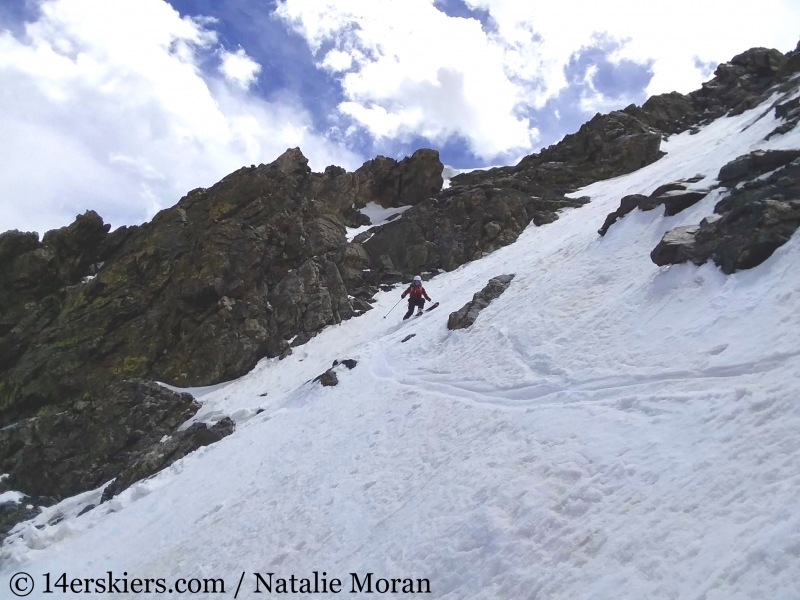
[
  {"x": 466, "y": 315},
  {"x": 328, "y": 378}
]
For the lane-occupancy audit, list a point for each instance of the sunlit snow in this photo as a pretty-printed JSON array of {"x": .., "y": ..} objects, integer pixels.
[{"x": 377, "y": 216}]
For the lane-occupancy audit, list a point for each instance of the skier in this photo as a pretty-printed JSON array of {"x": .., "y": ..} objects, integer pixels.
[{"x": 416, "y": 297}]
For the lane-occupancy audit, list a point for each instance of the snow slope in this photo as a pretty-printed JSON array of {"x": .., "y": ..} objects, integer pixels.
[{"x": 606, "y": 429}]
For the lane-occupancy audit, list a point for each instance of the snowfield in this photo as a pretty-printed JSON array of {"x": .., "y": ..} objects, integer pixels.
[{"x": 607, "y": 429}]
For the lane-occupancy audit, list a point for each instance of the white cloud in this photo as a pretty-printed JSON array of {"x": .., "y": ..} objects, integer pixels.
[
  {"x": 407, "y": 69},
  {"x": 103, "y": 106},
  {"x": 238, "y": 68},
  {"x": 672, "y": 33},
  {"x": 416, "y": 71},
  {"x": 336, "y": 60}
]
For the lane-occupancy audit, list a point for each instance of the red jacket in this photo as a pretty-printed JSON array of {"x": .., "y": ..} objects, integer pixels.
[{"x": 416, "y": 292}]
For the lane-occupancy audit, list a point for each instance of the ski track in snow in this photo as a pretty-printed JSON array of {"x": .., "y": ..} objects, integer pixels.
[{"x": 606, "y": 429}]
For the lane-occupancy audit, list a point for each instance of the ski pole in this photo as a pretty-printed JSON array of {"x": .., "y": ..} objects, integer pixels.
[{"x": 391, "y": 309}]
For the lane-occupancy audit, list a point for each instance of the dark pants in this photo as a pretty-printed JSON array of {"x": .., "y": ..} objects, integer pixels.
[{"x": 419, "y": 302}]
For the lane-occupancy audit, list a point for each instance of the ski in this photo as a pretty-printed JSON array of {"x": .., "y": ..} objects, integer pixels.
[{"x": 429, "y": 309}]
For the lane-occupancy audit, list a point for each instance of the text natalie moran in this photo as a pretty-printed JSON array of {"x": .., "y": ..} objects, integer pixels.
[{"x": 320, "y": 583}]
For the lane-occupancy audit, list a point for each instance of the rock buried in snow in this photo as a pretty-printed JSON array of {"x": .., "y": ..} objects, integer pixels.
[
  {"x": 466, "y": 315},
  {"x": 408, "y": 337},
  {"x": 350, "y": 363},
  {"x": 328, "y": 378}
]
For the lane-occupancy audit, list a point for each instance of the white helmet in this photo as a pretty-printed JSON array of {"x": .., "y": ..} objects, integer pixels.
[{"x": 417, "y": 279}]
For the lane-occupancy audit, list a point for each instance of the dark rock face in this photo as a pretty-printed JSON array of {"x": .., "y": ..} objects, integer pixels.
[
  {"x": 743, "y": 83},
  {"x": 25, "y": 509},
  {"x": 161, "y": 455},
  {"x": 753, "y": 221},
  {"x": 466, "y": 315},
  {"x": 197, "y": 296},
  {"x": 607, "y": 146},
  {"x": 11, "y": 514},
  {"x": 391, "y": 183},
  {"x": 72, "y": 449},
  {"x": 612, "y": 145},
  {"x": 669, "y": 113},
  {"x": 754, "y": 164},
  {"x": 31, "y": 271},
  {"x": 788, "y": 110},
  {"x": 462, "y": 224}
]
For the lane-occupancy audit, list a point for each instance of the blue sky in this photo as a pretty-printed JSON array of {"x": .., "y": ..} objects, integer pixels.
[{"x": 124, "y": 106}]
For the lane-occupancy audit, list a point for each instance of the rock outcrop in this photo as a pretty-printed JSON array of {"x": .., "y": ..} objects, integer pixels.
[
  {"x": 391, "y": 183},
  {"x": 467, "y": 314},
  {"x": 12, "y": 513},
  {"x": 750, "y": 166},
  {"x": 607, "y": 146},
  {"x": 749, "y": 79},
  {"x": 755, "y": 219},
  {"x": 674, "y": 197},
  {"x": 197, "y": 296},
  {"x": 462, "y": 224},
  {"x": 66, "y": 450},
  {"x": 744, "y": 82}
]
